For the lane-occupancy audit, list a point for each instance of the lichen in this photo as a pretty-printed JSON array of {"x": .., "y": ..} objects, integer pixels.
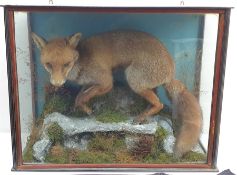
[{"x": 55, "y": 133}]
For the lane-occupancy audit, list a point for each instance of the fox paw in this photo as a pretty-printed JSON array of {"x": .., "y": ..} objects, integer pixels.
[{"x": 85, "y": 109}]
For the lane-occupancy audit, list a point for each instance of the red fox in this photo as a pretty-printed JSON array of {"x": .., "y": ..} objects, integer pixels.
[{"x": 147, "y": 64}]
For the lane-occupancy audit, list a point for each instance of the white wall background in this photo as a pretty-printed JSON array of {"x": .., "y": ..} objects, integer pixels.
[
  {"x": 24, "y": 76},
  {"x": 227, "y": 157}
]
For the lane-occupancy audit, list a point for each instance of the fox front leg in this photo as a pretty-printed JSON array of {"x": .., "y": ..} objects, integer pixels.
[
  {"x": 84, "y": 96},
  {"x": 81, "y": 100}
]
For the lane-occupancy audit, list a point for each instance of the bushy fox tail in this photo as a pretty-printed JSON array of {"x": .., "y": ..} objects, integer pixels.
[{"x": 187, "y": 116}]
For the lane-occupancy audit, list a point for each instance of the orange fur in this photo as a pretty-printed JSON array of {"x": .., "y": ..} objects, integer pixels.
[{"x": 187, "y": 116}]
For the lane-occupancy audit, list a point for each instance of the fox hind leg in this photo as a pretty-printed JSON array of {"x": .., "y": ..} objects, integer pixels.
[
  {"x": 152, "y": 98},
  {"x": 140, "y": 83}
]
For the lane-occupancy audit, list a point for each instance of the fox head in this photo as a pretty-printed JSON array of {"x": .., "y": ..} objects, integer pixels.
[{"x": 58, "y": 56}]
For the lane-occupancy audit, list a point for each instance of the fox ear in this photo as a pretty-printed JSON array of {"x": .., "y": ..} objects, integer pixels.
[
  {"x": 39, "y": 41},
  {"x": 74, "y": 39}
]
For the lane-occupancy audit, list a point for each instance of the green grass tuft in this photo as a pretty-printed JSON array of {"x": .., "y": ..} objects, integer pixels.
[
  {"x": 55, "y": 133},
  {"x": 85, "y": 157},
  {"x": 109, "y": 116},
  {"x": 28, "y": 151},
  {"x": 158, "y": 146},
  {"x": 28, "y": 154},
  {"x": 106, "y": 143},
  {"x": 57, "y": 155},
  {"x": 57, "y": 103},
  {"x": 194, "y": 157}
]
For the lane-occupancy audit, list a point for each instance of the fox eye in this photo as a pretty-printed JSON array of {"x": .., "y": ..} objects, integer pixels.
[
  {"x": 66, "y": 65},
  {"x": 49, "y": 65}
]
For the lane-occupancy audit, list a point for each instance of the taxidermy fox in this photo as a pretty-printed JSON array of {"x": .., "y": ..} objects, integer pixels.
[{"x": 147, "y": 65}]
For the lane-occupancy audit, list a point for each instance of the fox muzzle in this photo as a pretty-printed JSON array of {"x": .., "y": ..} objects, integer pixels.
[{"x": 57, "y": 83}]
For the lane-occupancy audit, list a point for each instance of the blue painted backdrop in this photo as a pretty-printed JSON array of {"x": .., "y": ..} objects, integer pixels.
[{"x": 180, "y": 33}]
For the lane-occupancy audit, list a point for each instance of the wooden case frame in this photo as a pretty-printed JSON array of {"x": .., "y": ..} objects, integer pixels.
[{"x": 221, "y": 47}]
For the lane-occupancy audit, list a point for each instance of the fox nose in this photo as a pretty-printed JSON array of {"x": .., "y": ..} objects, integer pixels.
[{"x": 57, "y": 83}]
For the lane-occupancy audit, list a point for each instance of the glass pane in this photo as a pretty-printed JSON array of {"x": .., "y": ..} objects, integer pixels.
[{"x": 120, "y": 88}]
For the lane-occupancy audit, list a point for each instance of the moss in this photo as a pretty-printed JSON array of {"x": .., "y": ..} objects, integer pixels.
[
  {"x": 108, "y": 116},
  {"x": 151, "y": 149},
  {"x": 194, "y": 157},
  {"x": 85, "y": 157},
  {"x": 28, "y": 151},
  {"x": 112, "y": 103},
  {"x": 72, "y": 155},
  {"x": 55, "y": 133},
  {"x": 62, "y": 101},
  {"x": 166, "y": 158},
  {"x": 162, "y": 158},
  {"x": 142, "y": 147},
  {"x": 160, "y": 135},
  {"x": 57, "y": 154},
  {"x": 57, "y": 103},
  {"x": 57, "y": 100},
  {"x": 124, "y": 157},
  {"x": 158, "y": 154},
  {"x": 106, "y": 143},
  {"x": 28, "y": 154}
]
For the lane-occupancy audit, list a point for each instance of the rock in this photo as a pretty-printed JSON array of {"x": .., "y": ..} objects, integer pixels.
[
  {"x": 77, "y": 142},
  {"x": 170, "y": 139},
  {"x": 169, "y": 143},
  {"x": 165, "y": 123},
  {"x": 72, "y": 126},
  {"x": 41, "y": 148}
]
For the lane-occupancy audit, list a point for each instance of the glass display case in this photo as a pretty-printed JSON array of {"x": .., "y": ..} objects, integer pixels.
[{"x": 115, "y": 88}]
